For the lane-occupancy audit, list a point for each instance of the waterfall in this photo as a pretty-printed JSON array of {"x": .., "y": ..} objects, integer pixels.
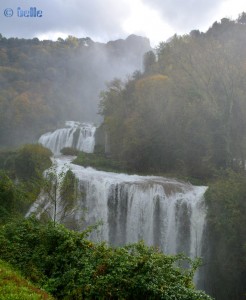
[
  {"x": 75, "y": 134},
  {"x": 164, "y": 212}
]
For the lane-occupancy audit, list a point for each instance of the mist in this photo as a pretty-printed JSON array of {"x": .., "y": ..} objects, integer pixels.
[{"x": 46, "y": 83}]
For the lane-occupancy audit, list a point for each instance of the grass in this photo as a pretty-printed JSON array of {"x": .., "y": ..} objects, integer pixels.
[
  {"x": 100, "y": 162},
  {"x": 14, "y": 287}
]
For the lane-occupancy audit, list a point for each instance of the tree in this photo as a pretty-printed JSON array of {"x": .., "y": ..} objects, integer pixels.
[
  {"x": 226, "y": 229},
  {"x": 59, "y": 193},
  {"x": 149, "y": 59},
  {"x": 30, "y": 162},
  {"x": 7, "y": 197},
  {"x": 21, "y": 174},
  {"x": 242, "y": 18}
]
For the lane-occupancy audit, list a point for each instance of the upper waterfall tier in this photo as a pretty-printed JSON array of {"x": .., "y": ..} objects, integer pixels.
[{"x": 75, "y": 134}]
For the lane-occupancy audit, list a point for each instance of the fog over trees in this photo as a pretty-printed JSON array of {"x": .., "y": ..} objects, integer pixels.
[
  {"x": 187, "y": 110},
  {"x": 44, "y": 83}
]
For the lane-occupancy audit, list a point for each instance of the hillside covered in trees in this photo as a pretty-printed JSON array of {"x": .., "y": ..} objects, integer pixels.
[
  {"x": 44, "y": 83},
  {"x": 187, "y": 111}
]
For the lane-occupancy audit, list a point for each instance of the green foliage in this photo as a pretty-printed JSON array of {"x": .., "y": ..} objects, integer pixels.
[
  {"x": 14, "y": 287},
  {"x": 7, "y": 196},
  {"x": 149, "y": 59},
  {"x": 98, "y": 161},
  {"x": 69, "y": 151},
  {"x": 226, "y": 199},
  {"x": 99, "y": 149},
  {"x": 27, "y": 162},
  {"x": 14, "y": 198},
  {"x": 60, "y": 194},
  {"x": 186, "y": 113},
  {"x": 31, "y": 161},
  {"x": 69, "y": 266},
  {"x": 44, "y": 83},
  {"x": 21, "y": 179}
]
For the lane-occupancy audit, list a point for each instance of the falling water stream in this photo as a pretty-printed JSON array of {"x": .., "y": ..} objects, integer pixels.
[{"x": 74, "y": 134}]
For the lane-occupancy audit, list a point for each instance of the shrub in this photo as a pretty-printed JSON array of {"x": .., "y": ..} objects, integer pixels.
[
  {"x": 69, "y": 266},
  {"x": 69, "y": 151},
  {"x": 98, "y": 161},
  {"x": 31, "y": 160}
]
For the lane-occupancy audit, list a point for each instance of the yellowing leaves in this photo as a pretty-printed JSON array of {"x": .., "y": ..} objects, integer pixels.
[
  {"x": 152, "y": 89},
  {"x": 151, "y": 81},
  {"x": 27, "y": 107}
]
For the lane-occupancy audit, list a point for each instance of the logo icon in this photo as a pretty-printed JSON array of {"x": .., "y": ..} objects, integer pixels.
[{"x": 8, "y": 12}]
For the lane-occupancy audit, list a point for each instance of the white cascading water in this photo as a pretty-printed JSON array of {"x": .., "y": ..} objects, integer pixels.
[
  {"x": 164, "y": 212},
  {"x": 77, "y": 135}
]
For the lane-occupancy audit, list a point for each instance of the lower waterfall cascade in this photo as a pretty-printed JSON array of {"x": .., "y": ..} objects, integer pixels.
[{"x": 162, "y": 212}]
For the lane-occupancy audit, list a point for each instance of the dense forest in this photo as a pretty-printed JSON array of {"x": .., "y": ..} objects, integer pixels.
[
  {"x": 187, "y": 111},
  {"x": 44, "y": 83},
  {"x": 184, "y": 115}
]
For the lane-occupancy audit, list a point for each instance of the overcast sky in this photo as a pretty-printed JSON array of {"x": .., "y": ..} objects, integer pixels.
[{"x": 105, "y": 20}]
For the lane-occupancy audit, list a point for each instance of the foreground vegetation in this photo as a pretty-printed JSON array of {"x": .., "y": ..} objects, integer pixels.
[
  {"x": 14, "y": 287},
  {"x": 69, "y": 266}
]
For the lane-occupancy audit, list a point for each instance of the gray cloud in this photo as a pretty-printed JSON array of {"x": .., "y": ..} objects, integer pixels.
[
  {"x": 102, "y": 19},
  {"x": 88, "y": 18},
  {"x": 183, "y": 15}
]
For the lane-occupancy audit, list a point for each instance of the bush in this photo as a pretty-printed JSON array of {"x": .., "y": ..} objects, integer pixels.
[
  {"x": 69, "y": 266},
  {"x": 98, "y": 161},
  {"x": 21, "y": 179},
  {"x": 7, "y": 197},
  {"x": 69, "y": 151},
  {"x": 31, "y": 161},
  {"x": 27, "y": 162},
  {"x": 14, "y": 198}
]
